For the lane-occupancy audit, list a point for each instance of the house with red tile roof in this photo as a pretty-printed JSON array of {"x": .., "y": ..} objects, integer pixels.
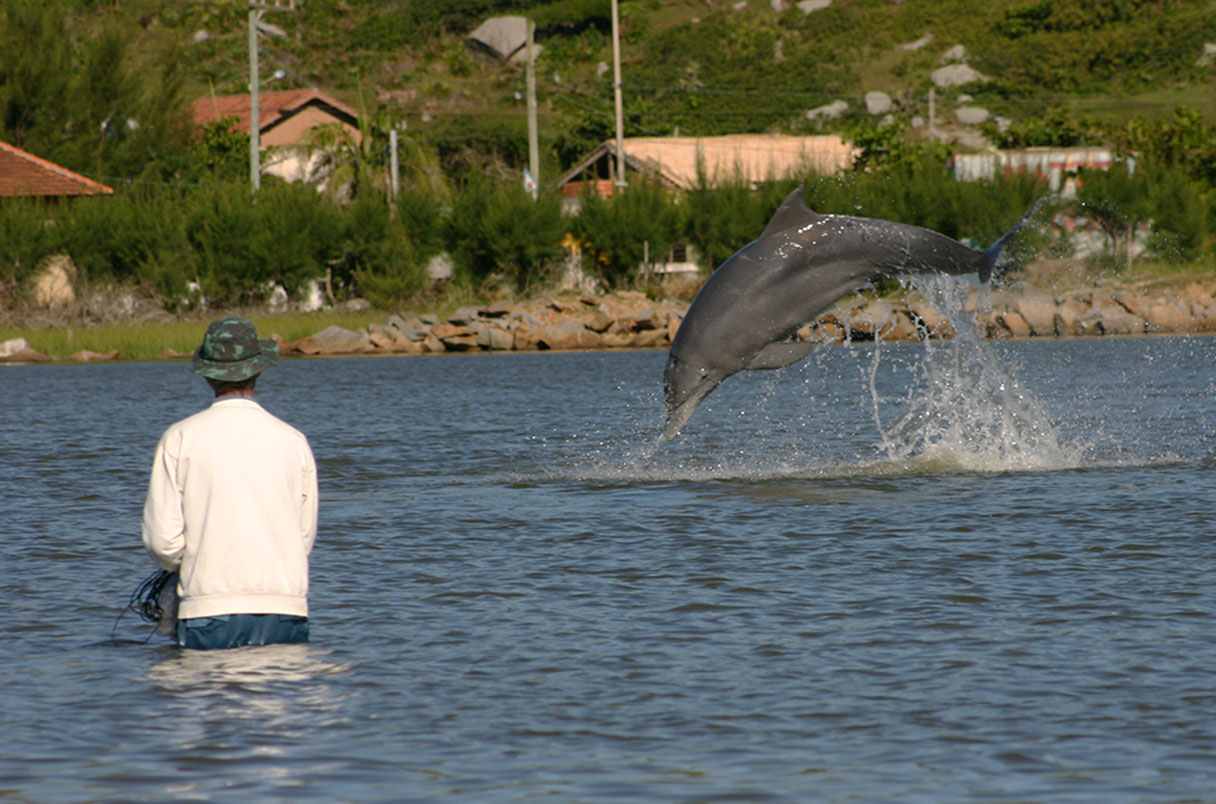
[
  {"x": 23, "y": 174},
  {"x": 284, "y": 118}
]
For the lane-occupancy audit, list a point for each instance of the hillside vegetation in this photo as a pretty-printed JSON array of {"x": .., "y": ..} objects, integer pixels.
[{"x": 102, "y": 87}]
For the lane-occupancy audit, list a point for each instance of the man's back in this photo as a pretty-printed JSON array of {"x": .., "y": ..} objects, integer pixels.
[{"x": 233, "y": 499}]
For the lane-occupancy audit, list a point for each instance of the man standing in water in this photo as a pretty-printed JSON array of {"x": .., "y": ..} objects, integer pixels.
[{"x": 232, "y": 504}]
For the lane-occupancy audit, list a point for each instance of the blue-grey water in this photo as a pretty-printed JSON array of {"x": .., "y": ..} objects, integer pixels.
[{"x": 898, "y": 573}]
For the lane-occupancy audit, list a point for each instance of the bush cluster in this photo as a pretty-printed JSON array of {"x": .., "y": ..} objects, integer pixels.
[{"x": 236, "y": 246}]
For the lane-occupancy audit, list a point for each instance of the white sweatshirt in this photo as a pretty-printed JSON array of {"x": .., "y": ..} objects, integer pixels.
[{"x": 232, "y": 505}]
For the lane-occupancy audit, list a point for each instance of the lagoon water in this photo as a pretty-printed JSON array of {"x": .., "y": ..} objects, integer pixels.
[{"x": 941, "y": 573}]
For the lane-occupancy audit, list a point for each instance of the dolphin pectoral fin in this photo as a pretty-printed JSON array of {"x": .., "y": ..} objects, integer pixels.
[{"x": 780, "y": 354}]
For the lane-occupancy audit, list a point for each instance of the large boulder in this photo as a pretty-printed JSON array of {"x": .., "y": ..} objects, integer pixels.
[
  {"x": 808, "y": 6},
  {"x": 953, "y": 75},
  {"x": 25, "y": 355},
  {"x": 928, "y": 320},
  {"x": 495, "y": 337},
  {"x": 12, "y": 347},
  {"x": 1012, "y": 322},
  {"x": 829, "y": 111},
  {"x": 499, "y": 38},
  {"x": 1107, "y": 317},
  {"x": 454, "y": 337},
  {"x": 1068, "y": 317},
  {"x": 465, "y": 315},
  {"x": 878, "y": 102},
  {"x": 958, "y": 53},
  {"x": 334, "y": 340},
  {"x": 646, "y": 319},
  {"x": 1169, "y": 316},
  {"x": 1039, "y": 313},
  {"x": 971, "y": 115},
  {"x": 53, "y": 282},
  {"x": 879, "y": 320},
  {"x": 566, "y": 334}
]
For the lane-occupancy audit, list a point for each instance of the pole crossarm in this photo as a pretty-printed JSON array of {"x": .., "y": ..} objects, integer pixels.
[{"x": 256, "y": 9}]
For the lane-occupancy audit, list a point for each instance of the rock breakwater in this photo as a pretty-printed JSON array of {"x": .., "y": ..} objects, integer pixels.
[
  {"x": 632, "y": 320},
  {"x": 628, "y": 320}
]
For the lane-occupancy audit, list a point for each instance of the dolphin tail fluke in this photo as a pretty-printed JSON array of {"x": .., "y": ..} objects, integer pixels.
[{"x": 1010, "y": 248}]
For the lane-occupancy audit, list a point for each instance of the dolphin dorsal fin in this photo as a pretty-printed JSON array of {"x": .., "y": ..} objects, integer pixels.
[{"x": 792, "y": 213}]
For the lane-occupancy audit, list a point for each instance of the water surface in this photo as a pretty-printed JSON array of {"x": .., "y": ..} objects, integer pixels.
[{"x": 945, "y": 573}]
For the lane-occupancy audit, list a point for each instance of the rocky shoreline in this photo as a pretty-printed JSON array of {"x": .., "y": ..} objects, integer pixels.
[{"x": 632, "y": 320}]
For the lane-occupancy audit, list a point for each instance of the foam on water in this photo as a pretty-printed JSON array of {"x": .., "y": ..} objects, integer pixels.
[
  {"x": 967, "y": 410},
  {"x": 959, "y": 408}
]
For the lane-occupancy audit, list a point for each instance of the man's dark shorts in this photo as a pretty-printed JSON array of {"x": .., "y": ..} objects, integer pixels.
[{"x": 236, "y": 630}]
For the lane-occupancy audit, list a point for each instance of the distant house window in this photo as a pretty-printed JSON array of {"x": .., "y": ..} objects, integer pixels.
[{"x": 679, "y": 253}]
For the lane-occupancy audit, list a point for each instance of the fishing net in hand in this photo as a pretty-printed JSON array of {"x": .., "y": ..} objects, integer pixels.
[{"x": 155, "y": 601}]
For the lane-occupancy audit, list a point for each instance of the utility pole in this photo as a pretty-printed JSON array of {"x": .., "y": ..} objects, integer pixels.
[
  {"x": 258, "y": 8},
  {"x": 255, "y": 169},
  {"x": 394, "y": 168},
  {"x": 533, "y": 137},
  {"x": 616, "y": 88}
]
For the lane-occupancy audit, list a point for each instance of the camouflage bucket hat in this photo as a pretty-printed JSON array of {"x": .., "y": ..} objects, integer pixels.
[{"x": 232, "y": 351}]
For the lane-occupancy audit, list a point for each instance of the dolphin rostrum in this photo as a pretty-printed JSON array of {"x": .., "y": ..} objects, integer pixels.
[{"x": 746, "y": 314}]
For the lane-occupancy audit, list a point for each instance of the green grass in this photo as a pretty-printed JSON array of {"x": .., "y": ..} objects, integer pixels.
[
  {"x": 143, "y": 342},
  {"x": 1154, "y": 104},
  {"x": 1152, "y": 273}
]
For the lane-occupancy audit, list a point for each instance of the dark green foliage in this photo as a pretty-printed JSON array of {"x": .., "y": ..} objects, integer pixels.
[
  {"x": 570, "y": 17},
  {"x": 496, "y": 140},
  {"x": 401, "y": 23},
  {"x": 1058, "y": 128},
  {"x": 240, "y": 246},
  {"x": 220, "y": 152},
  {"x": 1182, "y": 214},
  {"x": 27, "y": 235},
  {"x": 1079, "y": 45},
  {"x": 618, "y": 232},
  {"x": 379, "y": 260},
  {"x": 112, "y": 239},
  {"x": 723, "y": 217},
  {"x": 721, "y": 75},
  {"x": 77, "y": 96},
  {"x": 76, "y": 71},
  {"x": 498, "y": 231},
  {"x": 1116, "y": 199},
  {"x": 1184, "y": 141},
  {"x": 421, "y": 214}
]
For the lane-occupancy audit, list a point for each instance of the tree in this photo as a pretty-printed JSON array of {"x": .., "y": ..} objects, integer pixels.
[
  {"x": 77, "y": 97},
  {"x": 1118, "y": 200},
  {"x": 621, "y": 230}
]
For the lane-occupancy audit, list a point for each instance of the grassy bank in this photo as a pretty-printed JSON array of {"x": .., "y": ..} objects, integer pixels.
[
  {"x": 151, "y": 340},
  {"x": 148, "y": 341}
]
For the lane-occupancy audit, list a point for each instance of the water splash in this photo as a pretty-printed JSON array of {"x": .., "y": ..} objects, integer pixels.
[{"x": 967, "y": 410}]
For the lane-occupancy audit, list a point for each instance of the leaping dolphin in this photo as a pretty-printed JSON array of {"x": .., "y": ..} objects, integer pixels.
[{"x": 746, "y": 314}]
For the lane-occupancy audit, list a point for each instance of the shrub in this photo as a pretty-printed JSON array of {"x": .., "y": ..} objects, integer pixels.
[
  {"x": 241, "y": 243},
  {"x": 27, "y": 234},
  {"x": 620, "y": 230},
  {"x": 498, "y": 230},
  {"x": 377, "y": 257}
]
